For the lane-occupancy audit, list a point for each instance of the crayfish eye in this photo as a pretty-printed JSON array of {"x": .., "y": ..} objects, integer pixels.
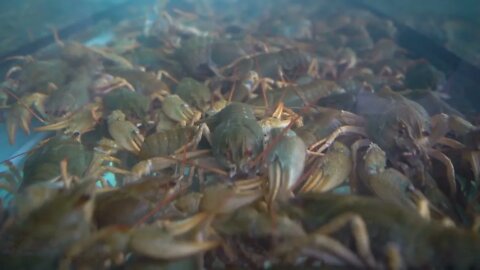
[{"x": 76, "y": 134}]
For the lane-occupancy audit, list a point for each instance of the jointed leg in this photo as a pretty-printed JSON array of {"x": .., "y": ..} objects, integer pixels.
[
  {"x": 394, "y": 258},
  {"x": 449, "y": 166},
  {"x": 325, "y": 247},
  {"x": 359, "y": 231},
  {"x": 338, "y": 132}
]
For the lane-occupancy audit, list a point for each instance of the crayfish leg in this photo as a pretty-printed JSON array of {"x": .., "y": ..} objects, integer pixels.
[
  {"x": 341, "y": 131},
  {"x": 335, "y": 248},
  {"x": 436, "y": 154},
  {"x": 394, "y": 258},
  {"x": 359, "y": 232}
]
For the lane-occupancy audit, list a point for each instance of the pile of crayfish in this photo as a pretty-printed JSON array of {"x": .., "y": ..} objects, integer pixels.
[{"x": 273, "y": 134}]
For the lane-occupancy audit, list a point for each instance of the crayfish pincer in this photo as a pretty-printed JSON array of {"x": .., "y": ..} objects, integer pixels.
[{"x": 237, "y": 138}]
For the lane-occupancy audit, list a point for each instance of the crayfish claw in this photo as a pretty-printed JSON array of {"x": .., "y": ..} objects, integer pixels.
[
  {"x": 126, "y": 134},
  {"x": 285, "y": 164}
]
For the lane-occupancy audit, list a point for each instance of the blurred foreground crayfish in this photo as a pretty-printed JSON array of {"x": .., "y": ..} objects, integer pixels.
[{"x": 383, "y": 235}]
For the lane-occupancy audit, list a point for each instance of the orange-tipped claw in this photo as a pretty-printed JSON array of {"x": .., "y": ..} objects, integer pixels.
[
  {"x": 178, "y": 110},
  {"x": 285, "y": 165},
  {"x": 21, "y": 114},
  {"x": 79, "y": 122},
  {"x": 329, "y": 171},
  {"x": 125, "y": 134}
]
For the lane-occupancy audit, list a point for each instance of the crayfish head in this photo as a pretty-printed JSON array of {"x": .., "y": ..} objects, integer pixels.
[{"x": 236, "y": 144}]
